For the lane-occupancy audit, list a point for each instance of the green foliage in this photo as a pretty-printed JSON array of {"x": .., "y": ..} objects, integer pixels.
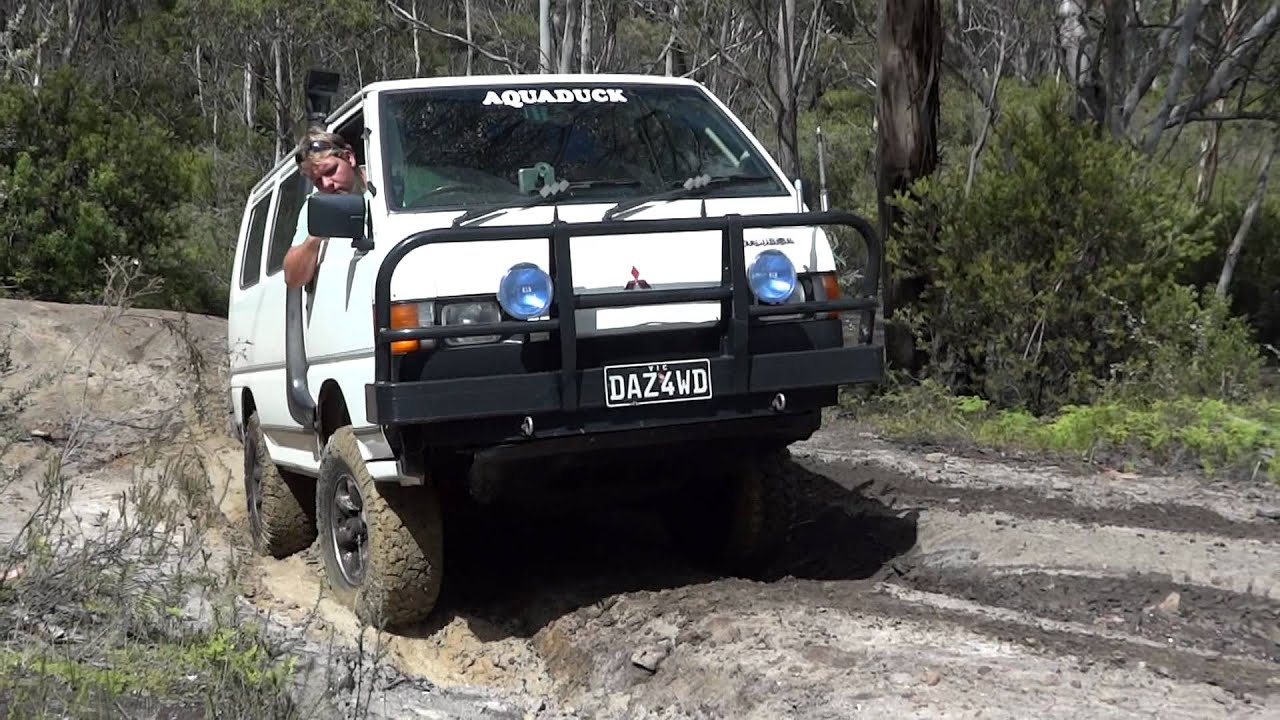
[
  {"x": 1255, "y": 284},
  {"x": 82, "y": 183},
  {"x": 1211, "y": 435},
  {"x": 206, "y": 666},
  {"x": 1188, "y": 344},
  {"x": 1060, "y": 269}
]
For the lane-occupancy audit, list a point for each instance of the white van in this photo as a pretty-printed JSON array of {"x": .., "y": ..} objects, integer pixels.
[{"x": 552, "y": 270}]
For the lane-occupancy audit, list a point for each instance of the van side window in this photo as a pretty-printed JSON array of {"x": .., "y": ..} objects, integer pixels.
[
  {"x": 292, "y": 194},
  {"x": 252, "y": 267}
]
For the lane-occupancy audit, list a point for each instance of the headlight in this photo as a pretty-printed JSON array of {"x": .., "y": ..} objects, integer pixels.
[
  {"x": 525, "y": 291},
  {"x": 470, "y": 313},
  {"x": 772, "y": 277}
]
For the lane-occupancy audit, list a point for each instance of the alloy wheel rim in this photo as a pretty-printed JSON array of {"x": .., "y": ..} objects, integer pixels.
[
  {"x": 253, "y": 491},
  {"x": 347, "y": 530}
]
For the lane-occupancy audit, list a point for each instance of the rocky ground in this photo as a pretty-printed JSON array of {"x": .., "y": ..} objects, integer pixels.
[{"x": 918, "y": 584}]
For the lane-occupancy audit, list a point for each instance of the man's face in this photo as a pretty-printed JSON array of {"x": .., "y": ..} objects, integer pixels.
[{"x": 334, "y": 174}]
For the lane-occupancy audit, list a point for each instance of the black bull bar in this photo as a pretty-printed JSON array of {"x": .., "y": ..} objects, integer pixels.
[{"x": 389, "y": 401}]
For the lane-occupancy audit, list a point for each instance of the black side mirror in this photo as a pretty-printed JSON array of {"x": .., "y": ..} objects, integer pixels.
[{"x": 339, "y": 215}]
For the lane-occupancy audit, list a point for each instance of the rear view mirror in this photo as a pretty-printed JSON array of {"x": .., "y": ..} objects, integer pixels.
[{"x": 340, "y": 216}]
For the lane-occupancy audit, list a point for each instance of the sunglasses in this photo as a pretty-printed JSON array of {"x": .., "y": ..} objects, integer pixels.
[{"x": 317, "y": 146}]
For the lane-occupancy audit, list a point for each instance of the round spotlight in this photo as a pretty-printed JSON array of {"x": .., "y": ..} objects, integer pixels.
[
  {"x": 525, "y": 291},
  {"x": 772, "y": 277}
]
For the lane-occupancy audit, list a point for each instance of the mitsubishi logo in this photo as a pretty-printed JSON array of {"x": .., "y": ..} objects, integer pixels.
[{"x": 636, "y": 282}]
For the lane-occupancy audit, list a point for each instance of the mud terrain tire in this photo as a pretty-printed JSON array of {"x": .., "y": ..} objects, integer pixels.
[
  {"x": 735, "y": 516},
  {"x": 279, "y": 503},
  {"x": 396, "y": 577}
]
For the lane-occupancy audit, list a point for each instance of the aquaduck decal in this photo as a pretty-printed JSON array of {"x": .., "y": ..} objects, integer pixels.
[{"x": 520, "y": 98}]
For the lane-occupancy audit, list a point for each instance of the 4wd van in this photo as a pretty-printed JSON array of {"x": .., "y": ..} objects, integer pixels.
[{"x": 551, "y": 270}]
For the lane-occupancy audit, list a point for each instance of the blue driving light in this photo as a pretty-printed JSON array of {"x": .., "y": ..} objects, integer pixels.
[
  {"x": 525, "y": 291},
  {"x": 772, "y": 277}
]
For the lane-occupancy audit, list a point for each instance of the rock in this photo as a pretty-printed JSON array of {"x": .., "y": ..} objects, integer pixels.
[
  {"x": 935, "y": 457},
  {"x": 649, "y": 657},
  {"x": 1270, "y": 513},
  {"x": 932, "y": 677},
  {"x": 1062, "y": 486},
  {"x": 1171, "y": 604}
]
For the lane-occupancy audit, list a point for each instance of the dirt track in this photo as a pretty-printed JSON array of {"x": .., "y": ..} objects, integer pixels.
[
  {"x": 919, "y": 585},
  {"x": 938, "y": 588}
]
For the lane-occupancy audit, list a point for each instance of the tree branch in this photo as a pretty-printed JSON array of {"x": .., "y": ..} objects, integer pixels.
[
  {"x": 1224, "y": 117},
  {"x": 1191, "y": 18},
  {"x": 512, "y": 65},
  {"x": 1231, "y": 70}
]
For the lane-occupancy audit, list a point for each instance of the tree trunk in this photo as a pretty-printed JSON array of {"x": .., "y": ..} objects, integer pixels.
[
  {"x": 1250, "y": 212},
  {"x": 249, "y": 93},
  {"x": 282, "y": 100},
  {"x": 471, "y": 48},
  {"x": 1208, "y": 171},
  {"x": 584, "y": 51},
  {"x": 566, "y": 39},
  {"x": 1082, "y": 66},
  {"x": 544, "y": 36},
  {"x": 787, "y": 102},
  {"x": 417, "y": 43},
  {"x": 910, "y": 50}
]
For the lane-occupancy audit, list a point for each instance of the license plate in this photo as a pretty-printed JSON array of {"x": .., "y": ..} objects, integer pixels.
[{"x": 660, "y": 382}]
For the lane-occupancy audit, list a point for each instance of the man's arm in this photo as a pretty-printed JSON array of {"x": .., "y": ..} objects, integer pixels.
[
  {"x": 301, "y": 261},
  {"x": 303, "y": 257}
]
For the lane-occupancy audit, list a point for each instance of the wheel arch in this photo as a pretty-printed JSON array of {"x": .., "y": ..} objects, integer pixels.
[
  {"x": 247, "y": 406},
  {"x": 332, "y": 408}
]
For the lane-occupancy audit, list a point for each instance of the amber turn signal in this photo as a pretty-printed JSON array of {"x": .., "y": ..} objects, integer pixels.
[{"x": 404, "y": 315}]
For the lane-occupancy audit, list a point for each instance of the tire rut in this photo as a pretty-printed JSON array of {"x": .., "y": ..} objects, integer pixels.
[
  {"x": 1205, "y": 619},
  {"x": 900, "y": 489}
]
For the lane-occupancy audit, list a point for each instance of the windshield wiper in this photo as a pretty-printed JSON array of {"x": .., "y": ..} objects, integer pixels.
[
  {"x": 696, "y": 185},
  {"x": 545, "y": 194}
]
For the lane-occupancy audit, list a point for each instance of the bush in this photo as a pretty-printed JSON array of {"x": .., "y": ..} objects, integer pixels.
[
  {"x": 1060, "y": 272},
  {"x": 1225, "y": 438},
  {"x": 81, "y": 183}
]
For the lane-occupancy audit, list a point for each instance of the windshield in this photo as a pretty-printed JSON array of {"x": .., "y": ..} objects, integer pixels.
[{"x": 454, "y": 147}]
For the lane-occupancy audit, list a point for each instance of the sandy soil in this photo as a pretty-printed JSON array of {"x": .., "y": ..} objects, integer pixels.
[{"x": 918, "y": 585}]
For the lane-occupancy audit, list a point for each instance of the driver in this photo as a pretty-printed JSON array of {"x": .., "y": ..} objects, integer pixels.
[{"x": 328, "y": 161}]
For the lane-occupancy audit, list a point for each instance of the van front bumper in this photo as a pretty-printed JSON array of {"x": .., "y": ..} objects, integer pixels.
[{"x": 771, "y": 365}]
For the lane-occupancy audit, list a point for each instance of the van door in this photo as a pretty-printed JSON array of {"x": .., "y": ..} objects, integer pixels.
[{"x": 338, "y": 315}]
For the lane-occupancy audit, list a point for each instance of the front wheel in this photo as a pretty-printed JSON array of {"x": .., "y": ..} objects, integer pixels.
[
  {"x": 734, "y": 513},
  {"x": 382, "y": 543}
]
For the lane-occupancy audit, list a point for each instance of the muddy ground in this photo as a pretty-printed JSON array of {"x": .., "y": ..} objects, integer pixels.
[{"x": 917, "y": 584}]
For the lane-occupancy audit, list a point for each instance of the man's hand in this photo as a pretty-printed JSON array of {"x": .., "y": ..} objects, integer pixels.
[{"x": 301, "y": 261}]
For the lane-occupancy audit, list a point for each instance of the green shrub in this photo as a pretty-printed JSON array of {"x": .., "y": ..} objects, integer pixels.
[
  {"x": 1239, "y": 438},
  {"x": 1061, "y": 270},
  {"x": 82, "y": 184}
]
